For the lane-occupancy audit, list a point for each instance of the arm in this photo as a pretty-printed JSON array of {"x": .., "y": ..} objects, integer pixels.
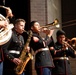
[
  {"x": 57, "y": 52},
  {"x": 71, "y": 52},
  {"x": 6, "y": 52},
  {"x": 17, "y": 61},
  {"x": 49, "y": 40}
]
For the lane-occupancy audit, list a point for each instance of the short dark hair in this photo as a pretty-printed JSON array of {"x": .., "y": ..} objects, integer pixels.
[
  {"x": 60, "y": 32},
  {"x": 19, "y": 20},
  {"x": 32, "y": 23}
]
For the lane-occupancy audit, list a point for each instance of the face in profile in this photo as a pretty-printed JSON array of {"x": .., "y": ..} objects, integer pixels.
[
  {"x": 20, "y": 27},
  {"x": 36, "y": 27}
]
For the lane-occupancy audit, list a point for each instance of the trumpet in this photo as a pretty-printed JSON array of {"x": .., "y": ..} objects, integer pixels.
[{"x": 53, "y": 25}]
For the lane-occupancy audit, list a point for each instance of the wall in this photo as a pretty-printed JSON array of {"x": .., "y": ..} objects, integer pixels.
[
  {"x": 45, "y": 11},
  {"x": 69, "y": 24},
  {"x": 54, "y": 12}
]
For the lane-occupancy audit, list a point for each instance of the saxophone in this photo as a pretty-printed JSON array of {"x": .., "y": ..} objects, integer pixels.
[{"x": 25, "y": 57}]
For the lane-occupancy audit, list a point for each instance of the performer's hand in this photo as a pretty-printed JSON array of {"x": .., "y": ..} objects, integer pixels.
[
  {"x": 50, "y": 32},
  {"x": 65, "y": 48},
  {"x": 45, "y": 30},
  {"x": 3, "y": 24},
  {"x": 51, "y": 48},
  {"x": 9, "y": 12},
  {"x": 28, "y": 48},
  {"x": 17, "y": 61},
  {"x": 65, "y": 45},
  {"x": 75, "y": 52}
]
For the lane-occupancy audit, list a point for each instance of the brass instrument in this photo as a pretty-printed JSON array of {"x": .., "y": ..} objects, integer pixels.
[
  {"x": 5, "y": 33},
  {"x": 52, "y": 25},
  {"x": 68, "y": 45},
  {"x": 2, "y": 17},
  {"x": 72, "y": 42},
  {"x": 25, "y": 56}
]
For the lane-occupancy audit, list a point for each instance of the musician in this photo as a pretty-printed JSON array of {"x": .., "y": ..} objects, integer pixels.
[
  {"x": 3, "y": 24},
  {"x": 43, "y": 59},
  {"x": 13, "y": 48},
  {"x": 61, "y": 53}
]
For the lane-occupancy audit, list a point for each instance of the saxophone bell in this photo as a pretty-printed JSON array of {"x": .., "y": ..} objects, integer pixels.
[{"x": 25, "y": 56}]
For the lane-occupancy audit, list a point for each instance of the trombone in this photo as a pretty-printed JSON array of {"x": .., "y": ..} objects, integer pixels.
[
  {"x": 53, "y": 25},
  {"x": 68, "y": 45}
]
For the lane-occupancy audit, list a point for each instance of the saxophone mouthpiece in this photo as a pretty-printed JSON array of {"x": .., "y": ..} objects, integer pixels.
[{"x": 25, "y": 31}]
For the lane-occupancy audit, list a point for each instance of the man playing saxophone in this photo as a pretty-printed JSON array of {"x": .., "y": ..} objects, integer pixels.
[{"x": 14, "y": 47}]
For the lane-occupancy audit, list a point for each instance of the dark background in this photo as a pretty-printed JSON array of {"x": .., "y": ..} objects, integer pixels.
[
  {"x": 21, "y": 9},
  {"x": 69, "y": 17}
]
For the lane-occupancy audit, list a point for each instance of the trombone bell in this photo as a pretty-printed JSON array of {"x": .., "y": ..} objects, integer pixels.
[
  {"x": 53, "y": 25},
  {"x": 57, "y": 26}
]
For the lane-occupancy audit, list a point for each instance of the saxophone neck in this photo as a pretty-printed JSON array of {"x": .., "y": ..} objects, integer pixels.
[{"x": 30, "y": 55}]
